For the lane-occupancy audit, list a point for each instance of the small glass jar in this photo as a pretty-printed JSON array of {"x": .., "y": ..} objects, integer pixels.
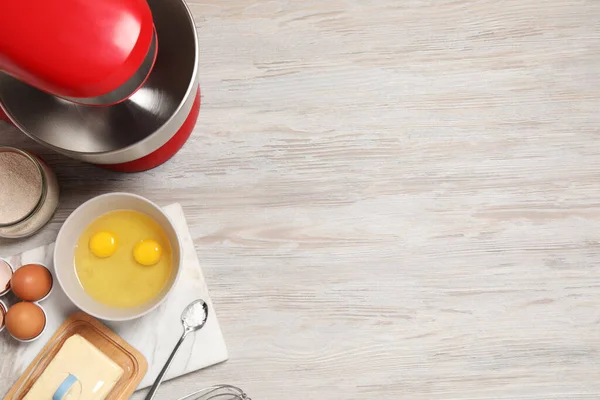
[{"x": 29, "y": 193}]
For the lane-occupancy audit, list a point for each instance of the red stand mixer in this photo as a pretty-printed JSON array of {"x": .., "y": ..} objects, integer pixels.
[{"x": 110, "y": 82}]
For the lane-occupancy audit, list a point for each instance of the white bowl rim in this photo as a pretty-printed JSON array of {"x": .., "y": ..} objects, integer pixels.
[{"x": 177, "y": 275}]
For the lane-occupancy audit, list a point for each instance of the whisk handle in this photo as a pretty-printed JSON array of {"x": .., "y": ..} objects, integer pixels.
[{"x": 160, "y": 376}]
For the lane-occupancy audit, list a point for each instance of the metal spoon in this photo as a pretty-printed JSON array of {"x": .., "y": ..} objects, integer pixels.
[{"x": 193, "y": 319}]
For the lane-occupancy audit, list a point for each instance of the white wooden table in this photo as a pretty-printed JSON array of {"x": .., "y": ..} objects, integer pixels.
[{"x": 392, "y": 199}]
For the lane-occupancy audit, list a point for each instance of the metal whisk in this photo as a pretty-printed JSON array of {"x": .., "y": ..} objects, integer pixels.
[{"x": 218, "y": 392}]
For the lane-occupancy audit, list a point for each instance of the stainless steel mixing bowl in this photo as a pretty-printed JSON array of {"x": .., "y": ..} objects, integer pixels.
[{"x": 127, "y": 131}]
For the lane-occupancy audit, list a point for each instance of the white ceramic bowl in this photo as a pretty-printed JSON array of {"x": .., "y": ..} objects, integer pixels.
[{"x": 64, "y": 252}]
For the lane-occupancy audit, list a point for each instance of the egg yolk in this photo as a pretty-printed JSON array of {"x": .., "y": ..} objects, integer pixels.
[
  {"x": 147, "y": 252},
  {"x": 103, "y": 244}
]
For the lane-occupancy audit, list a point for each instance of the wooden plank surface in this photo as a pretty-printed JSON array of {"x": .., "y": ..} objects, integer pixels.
[{"x": 391, "y": 199}]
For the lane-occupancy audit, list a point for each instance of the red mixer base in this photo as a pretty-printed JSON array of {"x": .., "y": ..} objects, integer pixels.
[
  {"x": 3, "y": 117},
  {"x": 167, "y": 151},
  {"x": 159, "y": 156}
]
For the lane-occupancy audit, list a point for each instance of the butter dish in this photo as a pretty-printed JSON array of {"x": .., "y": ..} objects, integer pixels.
[{"x": 78, "y": 332}]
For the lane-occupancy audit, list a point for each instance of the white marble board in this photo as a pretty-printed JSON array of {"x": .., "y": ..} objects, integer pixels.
[{"x": 154, "y": 335}]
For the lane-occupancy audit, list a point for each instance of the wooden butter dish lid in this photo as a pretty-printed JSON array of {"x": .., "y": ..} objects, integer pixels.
[{"x": 132, "y": 362}]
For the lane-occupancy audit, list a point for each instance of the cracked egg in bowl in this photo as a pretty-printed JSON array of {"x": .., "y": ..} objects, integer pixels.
[{"x": 117, "y": 256}]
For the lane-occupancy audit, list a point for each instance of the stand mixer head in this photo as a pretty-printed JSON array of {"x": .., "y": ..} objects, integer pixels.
[{"x": 88, "y": 52}]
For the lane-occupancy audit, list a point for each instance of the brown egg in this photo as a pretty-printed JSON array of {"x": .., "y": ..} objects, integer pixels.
[
  {"x": 31, "y": 282},
  {"x": 25, "y": 320}
]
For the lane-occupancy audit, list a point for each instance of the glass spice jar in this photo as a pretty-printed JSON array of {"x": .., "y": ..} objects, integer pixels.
[{"x": 28, "y": 193}]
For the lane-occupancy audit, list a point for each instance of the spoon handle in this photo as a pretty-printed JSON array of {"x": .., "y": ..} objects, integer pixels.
[{"x": 160, "y": 376}]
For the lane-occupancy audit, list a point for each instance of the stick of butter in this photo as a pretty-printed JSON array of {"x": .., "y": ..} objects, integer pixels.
[{"x": 96, "y": 373}]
